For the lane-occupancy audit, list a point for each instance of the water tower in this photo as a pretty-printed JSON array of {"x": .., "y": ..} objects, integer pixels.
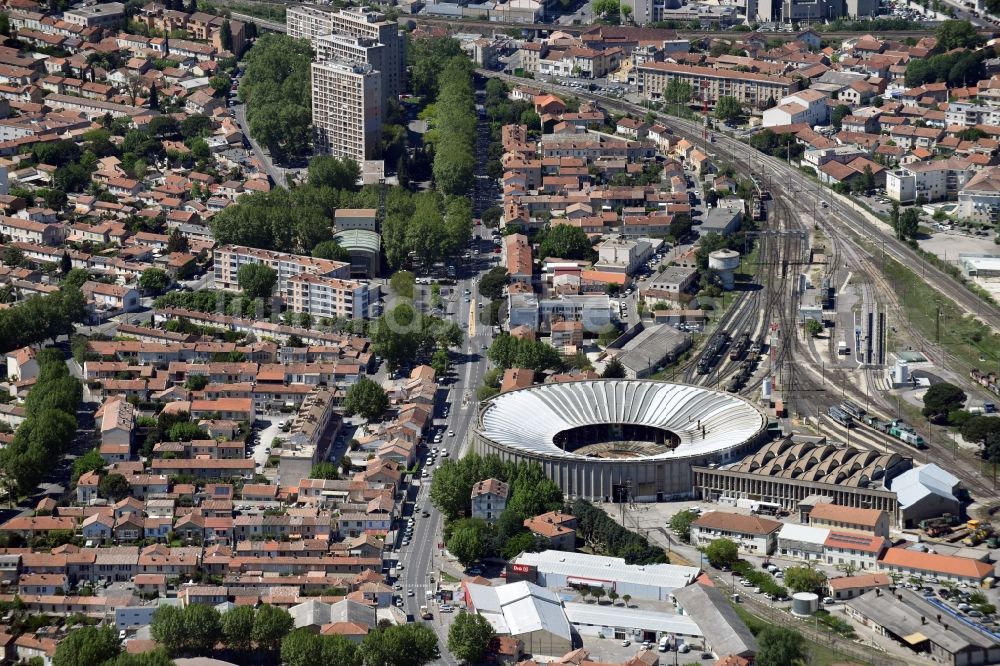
[{"x": 725, "y": 263}]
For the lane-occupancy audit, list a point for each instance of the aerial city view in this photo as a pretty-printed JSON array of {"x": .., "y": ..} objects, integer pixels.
[{"x": 581, "y": 332}]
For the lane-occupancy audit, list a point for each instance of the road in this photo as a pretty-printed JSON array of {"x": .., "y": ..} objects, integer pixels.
[
  {"x": 776, "y": 173},
  {"x": 422, "y": 558},
  {"x": 277, "y": 174}
]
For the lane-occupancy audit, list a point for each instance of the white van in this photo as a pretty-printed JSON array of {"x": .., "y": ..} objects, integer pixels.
[{"x": 664, "y": 642}]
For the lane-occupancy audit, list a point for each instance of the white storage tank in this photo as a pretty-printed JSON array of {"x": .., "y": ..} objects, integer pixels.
[
  {"x": 901, "y": 373},
  {"x": 725, "y": 263},
  {"x": 804, "y": 604}
]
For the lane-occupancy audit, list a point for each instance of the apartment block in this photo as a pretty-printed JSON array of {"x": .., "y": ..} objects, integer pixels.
[
  {"x": 928, "y": 181},
  {"x": 229, "y": 258},
  {"x": 746, "y": 87},
  {"x": 370, "y": 28},
  {"x": 347, "y": 109},
  {"x": 364, "y": 50},
  {"x": 327, "y": 297},
  {"x": 303, "y": 22}
]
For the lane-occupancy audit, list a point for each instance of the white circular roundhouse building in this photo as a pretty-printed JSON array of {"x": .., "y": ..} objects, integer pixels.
[{"x": 609, "y": 439}]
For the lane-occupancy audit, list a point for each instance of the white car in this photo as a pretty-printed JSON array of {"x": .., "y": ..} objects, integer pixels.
[
  {"x": 409, "y": 593},
  {"x": 451, "y": 433}
]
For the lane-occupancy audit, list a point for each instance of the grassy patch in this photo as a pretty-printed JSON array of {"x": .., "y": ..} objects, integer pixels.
[
  {"x": 448, "y": 578},
  {"x": 819, "y": 655},
  {"x": 941, "y": 320}
]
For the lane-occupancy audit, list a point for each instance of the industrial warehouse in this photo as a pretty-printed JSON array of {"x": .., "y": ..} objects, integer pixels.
[{"x": 618, "y": 439}]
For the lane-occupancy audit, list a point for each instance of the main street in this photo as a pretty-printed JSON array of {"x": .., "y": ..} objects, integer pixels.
[{"x": 421, "y": 559}]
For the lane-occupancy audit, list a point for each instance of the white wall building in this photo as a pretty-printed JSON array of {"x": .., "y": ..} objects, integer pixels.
[
  {"x": 347, "y": 109},
  {"x": 805, "y": 106},
  {"x": 933, "y": 181}
]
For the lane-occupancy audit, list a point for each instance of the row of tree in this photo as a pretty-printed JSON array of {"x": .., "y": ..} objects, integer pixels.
[
  {"x": 266, "y": 634},
  {"x": 276, "y": 89},
  {"x": 455, "y": 128},
  {"x": 403, "y": 335},
  {"x": 100, "y": 646},
  {"x": 41, "y": 318},
  {"x": 530, "y": 494},
  {"x": 49, "y": 426},
  {"x": 603, "y": 534},
  {"x": 510, "y": 352}
]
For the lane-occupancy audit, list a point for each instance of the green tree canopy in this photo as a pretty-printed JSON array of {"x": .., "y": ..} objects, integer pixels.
[
  {"x": 324, "y": 470},
  {"x": 722, "y": 553},
  {"x": 270, "y": 625},
  {"x": 468, "y": 540},
  {"x": 256, "y": 280},
  {"x": 87, "y": 646},
  {"x": 492, "y": 284},
  {"x": 237, "y": 627},
  {"x": 154, "y": 280},
  {"x": 367, "y": 399},
  {"x": 680, "y": 523},
  {"x": 805, "y": 579},
  {"x": 338, "y": 173},
  {"x": 331, "y": 250},
  {"x": 400, "y": 645},
  {"x": 469, "y": 637},
  {"x": 115, "y": 487},
  {"x": 728, "y": 108},
  {"x": 613, "y": 369},
  {"x": 565, "y": 242},
  {"x": 779, "y": 647},
  {"x": 941, "y": 399}
]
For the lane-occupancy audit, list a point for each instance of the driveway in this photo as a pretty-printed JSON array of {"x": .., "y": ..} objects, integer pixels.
[{"x": 266, "y": 438}]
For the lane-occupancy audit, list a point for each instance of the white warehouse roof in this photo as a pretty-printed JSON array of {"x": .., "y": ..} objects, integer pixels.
[
  {"x": 804, "y": 534},
  {"x": 616, "y": 616},
  {"x": 599, "y": 569},
  {"x": 520, "y": 608}
]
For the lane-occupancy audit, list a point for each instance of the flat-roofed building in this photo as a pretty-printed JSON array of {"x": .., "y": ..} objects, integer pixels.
[
  {"x": 347, "y": 109},
  {"x": 711, "y": 84}
]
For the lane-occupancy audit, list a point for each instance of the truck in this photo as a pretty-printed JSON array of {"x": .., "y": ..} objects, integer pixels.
[
  {"x": 842, "y": 348},
  {"x": 424, "y": 613}
]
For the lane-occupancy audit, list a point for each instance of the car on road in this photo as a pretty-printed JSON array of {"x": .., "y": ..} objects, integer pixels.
[
  {"x": 626, "y": 643},
  {"x": 447, "y": 609},
  {"x": 409, "y": 592},
  {"x": 406, "y": 542},
  {"x": 451, "y": 433},
  {"x": 828, "y": 601},
  {"x": 425, "y": 513}
]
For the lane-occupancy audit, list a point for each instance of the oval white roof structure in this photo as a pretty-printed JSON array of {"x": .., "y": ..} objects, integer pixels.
[{"x": 529, "y": 419}]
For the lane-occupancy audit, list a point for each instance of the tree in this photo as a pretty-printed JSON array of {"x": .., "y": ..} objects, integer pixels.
[
  {"x": 91, "y": 461},
  {"x": 365, "y": 398},
  {"x": 331, "y": 250},
  {"x": 613, "y": 596},
  {"x": 177, "y": 242},
  {"x": 65, "y": 263},
  {"x": 525, "y": 542},
  {"x": 237, "y": 627},
  {"x": 154, "y": 658},
  {"x": 941, "y": 399},
  {"x": 324, "y": 470},
  {"x": 680, "y": 523},
  {"x": 908, "y": 223},
  {"x": 677, "y": 92},
  {"x": 196, "y": 126},
  {"x": 779, "y": 647},
  {"x": 626, "y": 598},
  {"x": 722, "y": 553},
  {"x": 154, "y": 97},
  {"x": 492, "y": 284},
  {"x": 565, "y": 242},
  {"x": 401, "y": 645},
  {"x": 728, "y": 108},
  {"x": 980, "y": 428},
  {"x": 167, "y": 629},
  {"x": 226, "y": 36},
  {"x": 614, "y": 369},
  {"x": 337, "y": 173},
  {"x": 87, "y": 646},
  {"x": 154, "y": 280},
  {"x": 813, "y": 327},
  {"x": 838, "y": 114},
  {"x": 469, "y": 637},
  {"x": 403, "y": 284},
  {"x": 256, "y": 280},
  {"x": 114, "y": 487},
  {"x": 270, "y": 625},
  {"x": 804, "y": 579},
  {"x": 202, "y": 628},
  {"x": 956, "y": 35},
  {"x": 440, "y": 361},
  {"x": 468, "y": 540}
]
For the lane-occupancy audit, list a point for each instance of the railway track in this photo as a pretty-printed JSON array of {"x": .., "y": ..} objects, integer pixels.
[{"x": 862, "y": 247}]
